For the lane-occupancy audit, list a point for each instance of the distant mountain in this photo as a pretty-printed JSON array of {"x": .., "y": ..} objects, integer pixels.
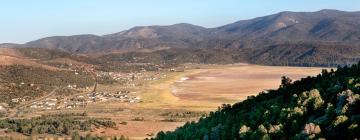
[
  {"x": 9, "y": 45},
  {"x": 177, "y": 32},
  {"x": 178, "y": 35},
  {"x": 324, "y": 25},
  {"x": 320, "y": 26},
  {"x": 260, "y": 39}
]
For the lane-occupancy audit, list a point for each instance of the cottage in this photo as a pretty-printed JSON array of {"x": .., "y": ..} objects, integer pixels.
[
  {"x": 34, "y": 106},
  {"x": 15, "y": 100},
  {"x": 54, "y": 99},
  {"x": 50, "y": 103}
]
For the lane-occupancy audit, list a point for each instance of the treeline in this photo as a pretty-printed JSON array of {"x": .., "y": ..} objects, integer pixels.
[
  {"x": 287, "y": 54},
  {"x": 326, "y": 106},
  {"x": 181, "y": 116},
  {"x": 280, "y": 53},
  {"x": 76, "y": 136},
  {"x": 55, "y": 124},
  {"x": 306, "y": 54},
  {"x": 49, "y": 54},
  {"x": 162, "y": 59}
]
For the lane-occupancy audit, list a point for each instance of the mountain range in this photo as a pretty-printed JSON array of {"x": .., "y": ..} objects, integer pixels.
[{"x": 330, "y": 37}]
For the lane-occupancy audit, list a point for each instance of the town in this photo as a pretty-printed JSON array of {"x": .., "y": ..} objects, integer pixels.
[
  {"x": 83, "y": 96},
  {"x": 84, "y": 100}
]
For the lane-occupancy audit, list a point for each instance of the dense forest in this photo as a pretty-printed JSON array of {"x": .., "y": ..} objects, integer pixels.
[
  {"x": 326, "y": 106},
  {"x": 59, "y": 124}
]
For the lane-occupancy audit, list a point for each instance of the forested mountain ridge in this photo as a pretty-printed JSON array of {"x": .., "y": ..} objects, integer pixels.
[
  {"x": 322, "y": 38},
  {"x": 325, "y": 26},
  {"x": 326, "y": 106}
]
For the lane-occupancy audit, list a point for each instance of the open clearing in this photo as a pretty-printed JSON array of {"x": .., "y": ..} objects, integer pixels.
[
  {"x": 207, "y": 88},
  {"x": 231, "y": 84}
]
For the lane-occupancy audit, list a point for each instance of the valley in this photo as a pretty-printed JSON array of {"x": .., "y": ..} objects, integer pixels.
[
  {"x": 285, "y": 75},
  {"x": 146, "y": 102}
]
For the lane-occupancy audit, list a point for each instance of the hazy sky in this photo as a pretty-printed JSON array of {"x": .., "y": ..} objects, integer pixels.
[{"x": 26, "y": 20}]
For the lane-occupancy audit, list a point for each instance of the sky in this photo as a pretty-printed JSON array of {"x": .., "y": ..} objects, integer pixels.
[{"x": 26, "y": 20}]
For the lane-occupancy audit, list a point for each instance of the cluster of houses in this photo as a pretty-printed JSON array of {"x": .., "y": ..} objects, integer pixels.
[
  {"x": 122, "y": 96},
  {"x": 71, "y": 86},
  {"x": 130, "y": 76},
  {"x": 84, "y": 100},
  {"x": 47, "y": 104},
  {"x": 114, "y": 75},
  {"x": 132, "y": 80},
  {"x": 78, "y": 101},
  {"x": 20, "y": 99}
]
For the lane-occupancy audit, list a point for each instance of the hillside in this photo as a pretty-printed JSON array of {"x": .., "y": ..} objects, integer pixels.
[
  {"x": 325, "y": 26},
  {"x": 18, "y": 81},
  {"x": 326, "y": 106}
]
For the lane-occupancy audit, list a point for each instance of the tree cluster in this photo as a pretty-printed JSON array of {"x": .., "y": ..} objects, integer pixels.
[{"x": 55, "y": 124}]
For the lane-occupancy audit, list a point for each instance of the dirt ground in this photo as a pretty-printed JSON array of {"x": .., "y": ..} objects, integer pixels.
[{"x": 232, "y": 84}]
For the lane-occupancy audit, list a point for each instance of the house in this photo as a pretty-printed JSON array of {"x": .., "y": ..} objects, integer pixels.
[
  {"x": 34, "y": 106},
  {"x": 54, "y": 99},
  {"x": 50, "y": 103},
  {"x": 15, "y": 100}
]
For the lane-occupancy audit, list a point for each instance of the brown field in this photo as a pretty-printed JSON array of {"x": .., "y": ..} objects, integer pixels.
[{"x": 231, "y": 84}]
